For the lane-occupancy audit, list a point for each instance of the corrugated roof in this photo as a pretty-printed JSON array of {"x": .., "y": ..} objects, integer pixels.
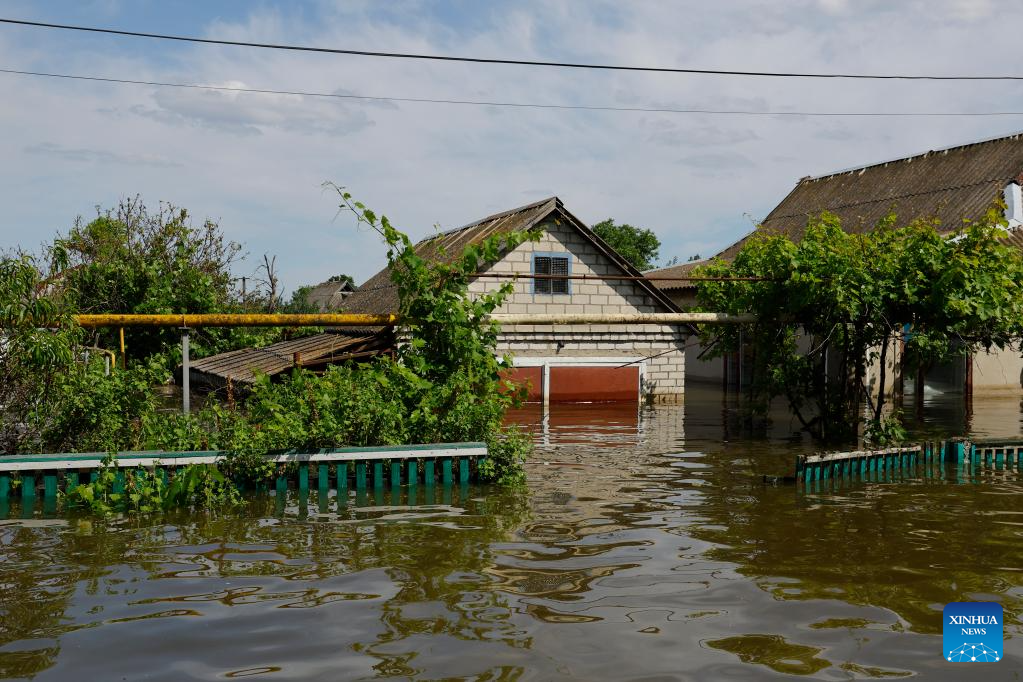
[
  {"x": 242, "y": 366},
  {"x": 952, "y": 185},
  {"x": 379, "y": 295},
  {"x": 679, "y": 270}
]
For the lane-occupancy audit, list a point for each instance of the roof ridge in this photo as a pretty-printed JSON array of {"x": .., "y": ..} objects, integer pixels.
[
  {"x": 853, "y": 169},
  {"x": 496, "y": 216},
  {"x": 688, "y": 263}
]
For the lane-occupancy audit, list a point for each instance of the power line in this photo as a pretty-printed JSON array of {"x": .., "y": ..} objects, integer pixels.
[
  {"x": 517, "y": 105},
  {"x": 514, "y": 62}
]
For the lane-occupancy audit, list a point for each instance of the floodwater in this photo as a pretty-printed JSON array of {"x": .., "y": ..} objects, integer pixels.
[{"x": 646, "y": 547}]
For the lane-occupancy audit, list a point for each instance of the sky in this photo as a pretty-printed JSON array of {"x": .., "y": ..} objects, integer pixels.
[{"x": 257, "y": 163}]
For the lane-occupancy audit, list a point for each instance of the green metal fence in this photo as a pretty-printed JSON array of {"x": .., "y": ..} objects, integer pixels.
[
  {"x": 929, "y": 459},
  {"x": 31, "y": 476}
]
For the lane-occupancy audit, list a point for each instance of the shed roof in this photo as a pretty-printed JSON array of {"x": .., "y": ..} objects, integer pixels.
[
  {"x": 379, "y": 294},
  {"x": 242, "y": 366},
  {"x": 955, "y": 184}
]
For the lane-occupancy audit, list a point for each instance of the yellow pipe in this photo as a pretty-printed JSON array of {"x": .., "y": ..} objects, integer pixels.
[
  {"x": 364, "y": 320},
  {"x": 236, "y": 320}
]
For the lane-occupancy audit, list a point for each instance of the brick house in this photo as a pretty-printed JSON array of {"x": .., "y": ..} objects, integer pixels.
[{"x": 564, "y": 363}]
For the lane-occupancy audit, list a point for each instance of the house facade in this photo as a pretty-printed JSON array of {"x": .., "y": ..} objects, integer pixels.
[
  {"x": 563, "y": 363},
  {"x": 951, "y": 185}
]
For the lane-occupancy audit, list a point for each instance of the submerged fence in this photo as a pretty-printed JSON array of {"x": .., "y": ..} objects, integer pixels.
[
  {"x": 927, "y": 459},
  {"x": 29, "y": 477}
]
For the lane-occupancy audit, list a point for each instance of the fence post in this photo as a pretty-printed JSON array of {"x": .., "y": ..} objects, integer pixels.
[{"x": 186, "y": 389}]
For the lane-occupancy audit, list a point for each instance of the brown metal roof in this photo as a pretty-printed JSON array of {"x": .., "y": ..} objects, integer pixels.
[
  {"x": 379, "y": 295},
  {"x": 680, "y": 270},
  {"x": 952, "y": 185},
  {"x": 242, "y": 366}
]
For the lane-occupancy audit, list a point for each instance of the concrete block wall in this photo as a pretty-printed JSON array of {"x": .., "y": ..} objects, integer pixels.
[
  {"x": 660, "y": 346},
  {"x": 586, "y": 296}
]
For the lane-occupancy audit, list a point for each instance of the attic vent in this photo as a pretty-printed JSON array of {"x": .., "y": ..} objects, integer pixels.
[{"x": 550, "y": 265}]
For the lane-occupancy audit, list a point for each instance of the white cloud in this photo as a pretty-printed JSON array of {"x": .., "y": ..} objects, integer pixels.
[{"x": 243, "y": 113}]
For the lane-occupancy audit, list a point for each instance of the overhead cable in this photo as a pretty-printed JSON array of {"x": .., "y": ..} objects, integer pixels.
[
  {"x": 512, "y": 62},
  {"x": 496, "y": 103}
]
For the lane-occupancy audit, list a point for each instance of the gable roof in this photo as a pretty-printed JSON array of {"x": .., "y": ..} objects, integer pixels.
[
  {"x": 379, "y": 294},
  {"x": 328, "y": 296},
  {"x": 952, "y": 185}
]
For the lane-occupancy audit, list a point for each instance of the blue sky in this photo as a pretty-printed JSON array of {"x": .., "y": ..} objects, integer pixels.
[{"x": 256, "y": 162}]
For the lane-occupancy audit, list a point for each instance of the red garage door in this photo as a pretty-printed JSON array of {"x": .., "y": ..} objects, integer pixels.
[{"x": 594, "y": 384}]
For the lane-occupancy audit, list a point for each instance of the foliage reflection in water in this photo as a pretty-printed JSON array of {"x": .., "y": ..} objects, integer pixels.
[{"x": 646, "y": 545}]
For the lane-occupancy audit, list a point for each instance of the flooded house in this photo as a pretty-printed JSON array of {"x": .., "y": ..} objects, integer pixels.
[
  {"x": 952, "y": 185},
  {"x": 564, "y": 362}
]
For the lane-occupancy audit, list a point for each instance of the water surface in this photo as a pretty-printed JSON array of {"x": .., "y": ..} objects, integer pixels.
[{"x": 646, "y": 547}]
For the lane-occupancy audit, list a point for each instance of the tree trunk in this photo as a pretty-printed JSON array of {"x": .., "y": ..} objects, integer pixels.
[{"x": 882, "y": 379}]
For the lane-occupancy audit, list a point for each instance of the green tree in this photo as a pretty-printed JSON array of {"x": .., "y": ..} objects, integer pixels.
[
  {"x": 342, "y": 278},
  {"x": 35, "y": 345},
  {"x": 637, "y": 245},
  {"x": 300, "y": 302},
  {"x": 133, "y": 260},
  {"x": 136, "y": 260},
  {"x": 835, "y": 303},
  {"x": 58, "y": 393}
]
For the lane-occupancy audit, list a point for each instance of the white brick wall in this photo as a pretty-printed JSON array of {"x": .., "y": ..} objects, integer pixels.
[{"x": 611, "y": 296}]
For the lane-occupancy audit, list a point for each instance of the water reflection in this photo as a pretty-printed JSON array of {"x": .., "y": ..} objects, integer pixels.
[
  {"x": 646, "y": 546},
  {"x": 774, "y": 652}
]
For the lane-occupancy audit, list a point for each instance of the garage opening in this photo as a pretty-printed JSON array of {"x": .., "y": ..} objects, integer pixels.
[
  {"x": 577, "y": 384},
  {"x": 580, "y": 383}
]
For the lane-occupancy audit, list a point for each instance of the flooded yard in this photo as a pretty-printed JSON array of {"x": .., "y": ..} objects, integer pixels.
[{"x": 646, "y": 547}]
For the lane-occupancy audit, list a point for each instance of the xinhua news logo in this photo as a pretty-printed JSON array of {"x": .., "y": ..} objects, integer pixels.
[{"x": 972, "y": 632}]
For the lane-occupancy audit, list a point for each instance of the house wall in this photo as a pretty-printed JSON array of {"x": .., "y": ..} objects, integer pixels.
[
  {"x": 998, "y": 370},
  {"x": 698, "y": 369},
  {"x": 656, "y": 349},
  {"x": 703, "y": 370}
]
